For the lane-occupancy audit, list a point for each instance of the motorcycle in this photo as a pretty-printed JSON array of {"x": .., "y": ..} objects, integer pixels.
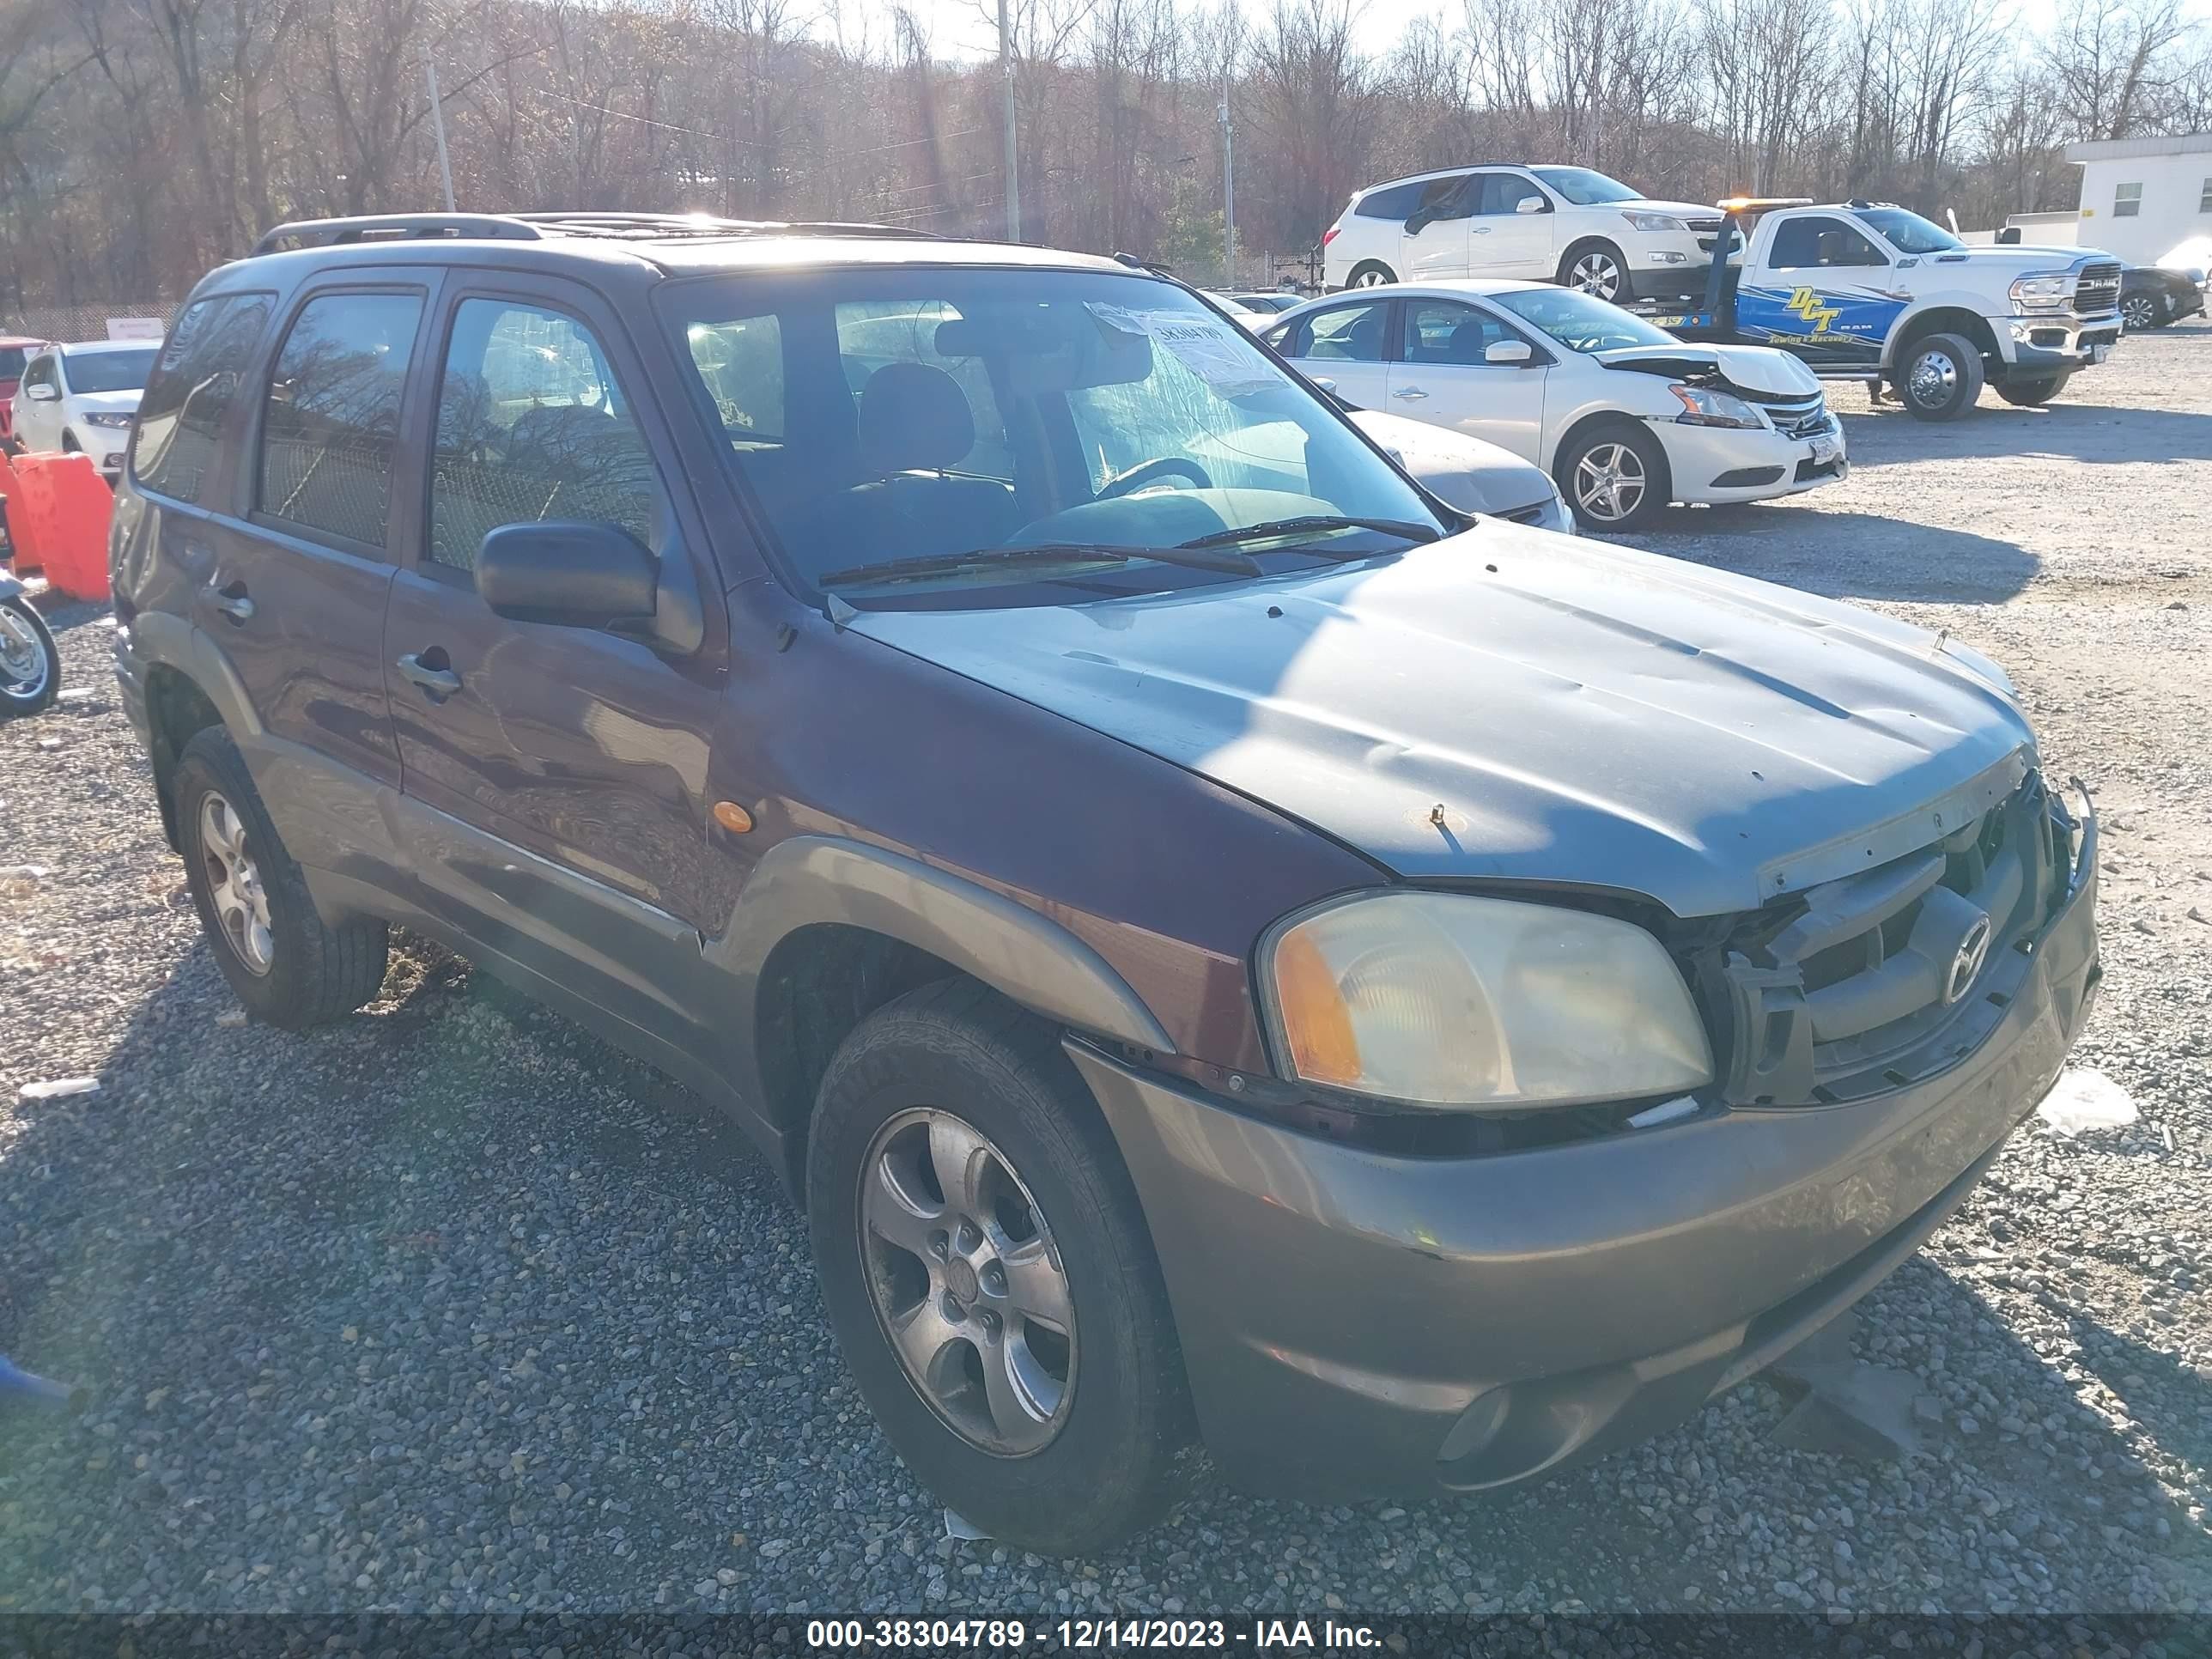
[{"x": 30, "y": 662}]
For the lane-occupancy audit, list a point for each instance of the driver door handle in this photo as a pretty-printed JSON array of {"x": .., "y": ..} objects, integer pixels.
[
  {"x": 1481, "y": 230},
  {"x": 436, "y": 683},
  {"x": 1411, "y": 394}
]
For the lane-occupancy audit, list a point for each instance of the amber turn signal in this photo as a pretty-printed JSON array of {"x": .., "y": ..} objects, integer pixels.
[{"x": 732, "y": 816}]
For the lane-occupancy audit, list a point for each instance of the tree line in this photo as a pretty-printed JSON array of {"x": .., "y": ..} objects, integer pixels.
[{"x": 142, "y": 140}]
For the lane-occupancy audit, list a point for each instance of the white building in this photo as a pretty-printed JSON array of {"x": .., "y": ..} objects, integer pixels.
[{"x": 2147, "y": 200}]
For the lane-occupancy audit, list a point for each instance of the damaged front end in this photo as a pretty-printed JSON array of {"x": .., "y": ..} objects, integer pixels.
[{"x": 1884, "y": 978}]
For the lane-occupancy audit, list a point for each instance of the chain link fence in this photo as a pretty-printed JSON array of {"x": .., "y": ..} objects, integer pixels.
[{"x": 88, "y": 321}]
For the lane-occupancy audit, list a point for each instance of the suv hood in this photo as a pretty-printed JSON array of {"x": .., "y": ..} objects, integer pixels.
[
  {"x": 1515, "y": 705},
  {"x": 1758, "y": 369},
  {"x": 1686, "y": 209},
  {"x": 117, "y": 403}
]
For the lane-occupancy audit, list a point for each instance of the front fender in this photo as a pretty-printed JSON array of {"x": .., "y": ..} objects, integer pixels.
[{"x": 813, "y": 880}]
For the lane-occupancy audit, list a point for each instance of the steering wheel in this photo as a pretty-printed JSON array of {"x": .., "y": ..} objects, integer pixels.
[{"x": 1126, "y": 483}]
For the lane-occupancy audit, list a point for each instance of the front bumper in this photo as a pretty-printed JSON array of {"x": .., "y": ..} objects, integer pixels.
[
  {"x": 1718, "y": 464},
  {"x": 1355, "y": 1322},
  {"x": 2058, "y": 343}
]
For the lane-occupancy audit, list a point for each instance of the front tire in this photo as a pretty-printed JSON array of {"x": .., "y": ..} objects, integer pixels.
[
  {"x": 1614, "y": 476},
  {"x": 1370, "y": 273},
  {"x": 1599, "y": 268},
  {"x": 30, "y": 663},
  {"x": 989, "y": 1275},
  {"x": 1942, "y": 377},
  {"x": 287, "y": 965},
  {"x": 2142, "y": 311},
  {"x": 2032, "y": 394}
]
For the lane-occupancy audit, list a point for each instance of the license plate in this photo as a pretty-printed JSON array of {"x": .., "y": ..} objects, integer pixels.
[
  {"x": 1824, "y": 451},
  {"x": 2099, "y": 352}
]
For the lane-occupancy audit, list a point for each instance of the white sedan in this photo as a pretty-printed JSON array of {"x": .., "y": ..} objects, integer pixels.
[{"x": 1625, "y": 416}]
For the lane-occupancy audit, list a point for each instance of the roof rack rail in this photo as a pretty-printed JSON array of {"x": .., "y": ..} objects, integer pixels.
[
  {"x": 537, "y": 227},
  {"x": 394, "y": 227}
]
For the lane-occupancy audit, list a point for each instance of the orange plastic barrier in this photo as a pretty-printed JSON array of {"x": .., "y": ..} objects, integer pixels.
[
  {"x": 64, "y": 506},
  {"x": 22, "y": 548}
]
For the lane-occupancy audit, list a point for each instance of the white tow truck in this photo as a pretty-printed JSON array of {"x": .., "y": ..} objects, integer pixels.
[{"x": 1869, "y": 291}]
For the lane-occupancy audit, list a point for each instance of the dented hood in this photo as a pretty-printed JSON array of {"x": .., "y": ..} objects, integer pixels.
[
  {"x": 1753, "y": 368},
  {"x": 1517, "y": 705}
]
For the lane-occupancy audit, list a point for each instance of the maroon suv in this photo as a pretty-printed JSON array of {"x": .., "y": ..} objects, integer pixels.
[{"x": 1221, "y": 944}]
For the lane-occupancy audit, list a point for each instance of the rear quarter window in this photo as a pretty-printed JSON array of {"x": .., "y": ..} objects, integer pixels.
[
  {"x": 1391, "y": 201},
  {"x": 194, "y": 386}
]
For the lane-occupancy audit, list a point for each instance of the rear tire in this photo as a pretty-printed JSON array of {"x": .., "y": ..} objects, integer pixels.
[
  {"x": 1599, "y": 268},
  {"x": 1370, "y": 273},
  {"x": 1941, "y": 377},
  {"x": 2032, "y": 394},
  {"x": 1614, "y": 476},
  {"x": 953, "y": 1077},
  {"x": 287, "y": 965},
  {"x": 30, "y": 664}
]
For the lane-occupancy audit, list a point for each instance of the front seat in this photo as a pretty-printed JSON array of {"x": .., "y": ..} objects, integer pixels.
[{"x": 915, "y": 426}]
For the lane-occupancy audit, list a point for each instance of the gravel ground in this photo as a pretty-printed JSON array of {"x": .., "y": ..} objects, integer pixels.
[{"x": 450, "y": 1306}]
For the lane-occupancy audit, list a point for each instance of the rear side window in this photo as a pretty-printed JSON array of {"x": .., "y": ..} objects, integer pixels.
[
  {"x": 193, "y": 389},
  {"x": 740, "y": 361},
  {"x": 334, "y": 413},
  {"x": 531, "y": 426},
  {"x": 1801, "y": 244},
  {"x": 11, "y": 362},
  {"x": 1391, "y": 201}
]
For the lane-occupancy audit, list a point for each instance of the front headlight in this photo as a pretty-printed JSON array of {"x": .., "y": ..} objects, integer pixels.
[
  {"x": 107, "y": 417},
  {"x": 1556, "y": 516},
  {"x": 1449, "y": 999},
  {"x": 1702, "y": 406},
  {"x": 2044, "y": 291},
  {"x": 1654, "y": 221}
]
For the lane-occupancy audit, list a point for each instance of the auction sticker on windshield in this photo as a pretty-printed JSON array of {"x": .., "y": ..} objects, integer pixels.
[{"x": 1213, "y": 350}]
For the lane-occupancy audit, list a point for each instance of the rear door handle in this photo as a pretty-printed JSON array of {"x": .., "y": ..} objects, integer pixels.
[{"x": 437, "y": 683}]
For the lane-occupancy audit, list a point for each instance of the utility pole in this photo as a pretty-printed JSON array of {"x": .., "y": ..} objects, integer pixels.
[
  {"x": 1228, "y": 196},
  {"x": 438, "y": 126},
  {"x": 1013, "y": 162}
]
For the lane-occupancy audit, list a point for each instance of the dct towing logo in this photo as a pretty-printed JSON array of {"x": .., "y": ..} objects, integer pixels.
[{"x": 1807, "y": 304}]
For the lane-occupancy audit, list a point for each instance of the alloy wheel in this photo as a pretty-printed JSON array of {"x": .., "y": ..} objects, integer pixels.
[
  {"x": 1609, "y": 482},
  {"x": 1596, "y": 273},
  {"x": 967, "y": 1282},
  {"x": 241, "y": 903},
  {"x": 1371, "y": 278},
  {"x": 1933, "y": 380},
  {"x": 23, "y": 665},
  {"x": 2139, "y": 312}
]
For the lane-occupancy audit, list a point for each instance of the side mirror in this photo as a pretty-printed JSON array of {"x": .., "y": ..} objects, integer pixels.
[
  {"x": 1529, "y": 205},
  {"x": 569, "y": 575},
  {"x": 1507, "y": 351},
  {"x": 42, "y": 393}
]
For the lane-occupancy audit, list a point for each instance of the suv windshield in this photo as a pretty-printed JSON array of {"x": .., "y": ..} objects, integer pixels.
[
  {"x": 1908, "y": 233},
  {"x": 108, "y": 371},
  {"x": 905, "y": 414},
  {"x": 1585, "y": 188},
  {"x": 1580, "y": 322}
]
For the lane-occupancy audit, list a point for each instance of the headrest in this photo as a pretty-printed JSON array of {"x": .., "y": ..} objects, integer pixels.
[
  {"x": 913, "y": 416},
  {"x": 1467, "y": 341}
]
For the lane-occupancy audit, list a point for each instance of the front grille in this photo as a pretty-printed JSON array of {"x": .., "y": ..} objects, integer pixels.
[
  {"x": 1795, "y": 415},
  {"x": 2097, "y": 290},
  {"x": 1872, "y": 981},
  {"x": 1706, "y": 226}
]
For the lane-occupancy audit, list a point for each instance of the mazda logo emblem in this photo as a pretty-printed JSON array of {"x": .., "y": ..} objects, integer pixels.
[{"x": 1967, "y": 966}]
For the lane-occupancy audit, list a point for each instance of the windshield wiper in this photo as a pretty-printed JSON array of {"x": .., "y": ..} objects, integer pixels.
[
  {"x": 1313, "y": 522},
  {"x": 939, "y": 564}
]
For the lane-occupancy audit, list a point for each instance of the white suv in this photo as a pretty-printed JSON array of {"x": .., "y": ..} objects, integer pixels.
[{"x": 1548, "y": 223}]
